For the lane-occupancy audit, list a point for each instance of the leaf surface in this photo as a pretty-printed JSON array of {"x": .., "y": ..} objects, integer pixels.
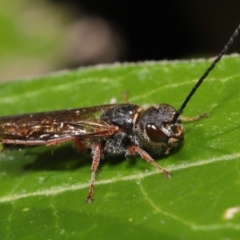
[{"x": 43, "y": 189}]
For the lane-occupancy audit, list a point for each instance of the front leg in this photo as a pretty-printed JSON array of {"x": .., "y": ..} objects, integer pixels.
[{"x": 135, "y": 149}]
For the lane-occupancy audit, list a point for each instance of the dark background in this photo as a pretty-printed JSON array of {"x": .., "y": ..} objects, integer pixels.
[{"x": 155, "y": 30}]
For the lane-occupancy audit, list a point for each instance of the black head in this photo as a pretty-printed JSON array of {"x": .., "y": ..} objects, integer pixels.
[{"x": 157, "y": 129}]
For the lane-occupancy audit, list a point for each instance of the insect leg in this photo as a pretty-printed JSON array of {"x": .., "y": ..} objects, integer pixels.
[
  {"x": 190, "y": 119},
  {"x": 95, "y": 163},
  {"x": 125, "y": 96},
  {"x": 16, "y": 142},
  {"x": 78, "y": 144},
  {"x": 50, "y": 142},
  {"x": 148, "y": 158},
  {"x": 56, "y": 141}
]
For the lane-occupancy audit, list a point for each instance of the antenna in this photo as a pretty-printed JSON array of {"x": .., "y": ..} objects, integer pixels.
[{"x": 205, "y": 74}]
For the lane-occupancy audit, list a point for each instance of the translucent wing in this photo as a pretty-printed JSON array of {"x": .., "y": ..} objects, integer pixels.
[{"x": 82, "y": 122}]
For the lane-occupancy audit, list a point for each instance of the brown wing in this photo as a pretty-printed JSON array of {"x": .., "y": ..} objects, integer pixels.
[{"x": 82, "y": 122}]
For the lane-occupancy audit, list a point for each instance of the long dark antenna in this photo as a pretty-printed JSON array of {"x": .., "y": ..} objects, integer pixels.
[{"x": 210, "y": 68}]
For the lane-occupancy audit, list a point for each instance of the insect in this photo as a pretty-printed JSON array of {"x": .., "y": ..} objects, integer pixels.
[{"x": 114, "y": 129}]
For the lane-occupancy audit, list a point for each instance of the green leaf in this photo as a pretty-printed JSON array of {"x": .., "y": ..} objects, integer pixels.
[{"x": 43, "y": 190}]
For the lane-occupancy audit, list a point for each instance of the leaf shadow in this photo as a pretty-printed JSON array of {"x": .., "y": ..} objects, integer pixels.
[{"x": 66, "y": 158}]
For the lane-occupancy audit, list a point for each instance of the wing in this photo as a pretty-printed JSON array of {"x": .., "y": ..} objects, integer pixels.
[{"x": 82, "y": 122}]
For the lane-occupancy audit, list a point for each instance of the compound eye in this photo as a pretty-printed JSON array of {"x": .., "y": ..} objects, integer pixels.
[{"x": 156, "y": 134}]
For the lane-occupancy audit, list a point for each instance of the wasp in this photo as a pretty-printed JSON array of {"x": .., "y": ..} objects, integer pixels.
[{"x": 114, "y": 129}]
